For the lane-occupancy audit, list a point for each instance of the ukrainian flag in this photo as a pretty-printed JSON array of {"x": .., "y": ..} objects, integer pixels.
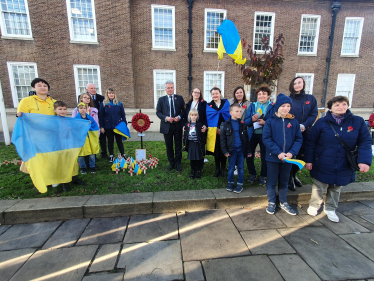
[
  {"x": 91, "y": 145},
  {"x": 122, "y": 130},
  {"x": 229, "y": 42},
  {"x": 49, "y": 147},
  {"x": 297, "y": 162}
]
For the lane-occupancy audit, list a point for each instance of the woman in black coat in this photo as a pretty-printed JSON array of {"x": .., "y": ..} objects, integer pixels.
[{"x": 196, "y": 101}]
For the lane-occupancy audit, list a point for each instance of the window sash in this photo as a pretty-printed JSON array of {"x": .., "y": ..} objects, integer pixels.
[
  {"x": 213, "y": 19},
  {"x": 163, "y": 27},
  {"x": 15, "y": 18},
  {"x": 352, "y": 36},
  {"x": 211, "y": 79},
  {"x": 82, "y": 21},
  {"x": 85, "y": 74},
  {"x": 309, "y": 33},
  {"x": 263, "y": 26},
  {"x": 160, "y": 76}
]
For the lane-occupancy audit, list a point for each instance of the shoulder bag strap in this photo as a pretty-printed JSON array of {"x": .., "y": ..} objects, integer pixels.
[{"x": 344, "y": 144}]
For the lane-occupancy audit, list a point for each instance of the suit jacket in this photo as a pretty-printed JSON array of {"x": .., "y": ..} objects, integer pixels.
[
  {"x": 163, "y": 111},
  {"x": 99, "y": 100}
]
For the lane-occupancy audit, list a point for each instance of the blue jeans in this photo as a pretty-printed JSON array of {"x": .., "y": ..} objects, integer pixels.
[
  {"x": 236, "y": 158},
  {"x": 281, "y": 172},
  {"x": 91, "y": 161}
]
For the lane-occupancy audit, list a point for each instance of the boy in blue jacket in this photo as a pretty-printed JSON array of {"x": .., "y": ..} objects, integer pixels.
[{"x": 282, "y": 138}]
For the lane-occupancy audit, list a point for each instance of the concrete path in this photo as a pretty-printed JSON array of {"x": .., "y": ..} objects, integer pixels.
[{"x": 219, "y": 244}]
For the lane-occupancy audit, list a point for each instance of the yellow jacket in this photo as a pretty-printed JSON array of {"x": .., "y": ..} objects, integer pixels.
[{"x": 34, "y": 104}]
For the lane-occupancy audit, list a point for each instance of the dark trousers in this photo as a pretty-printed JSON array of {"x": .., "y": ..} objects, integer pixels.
[
  {"x": 219, "y": 157},
  {"x": 278, "y": 172},
  {"x": 174, "y": 136},
  {"x": 255, "y": 140},
  {"x": 111, "y": 135},
  {"x": 102, "y": 140},
  {"x": 197, "y": 165}
]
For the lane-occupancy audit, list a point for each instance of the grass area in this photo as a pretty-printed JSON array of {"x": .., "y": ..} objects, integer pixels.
[{"x": 17, "y": 185}]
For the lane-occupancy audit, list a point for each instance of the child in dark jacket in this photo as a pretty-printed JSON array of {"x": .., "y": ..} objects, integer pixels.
[
  {"x": 194, "y": 143},
  {"x": 282, "y": 138},
  {"x": 235, "y": 146}
]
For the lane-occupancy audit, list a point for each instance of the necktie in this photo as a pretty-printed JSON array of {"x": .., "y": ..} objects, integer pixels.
[{"x": 172, "y": 107}]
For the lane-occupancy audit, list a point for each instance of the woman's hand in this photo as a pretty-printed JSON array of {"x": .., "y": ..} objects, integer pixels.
[
  {"x": 249, "y": 155},
  {"x": 302, "y": 128},
  {"x": 261, "y": 121},
  {"x": 218, "y": 131},
  {"x": 255, "y": 117},
  {"x": 227, "y": 154},
  {"x": 203, "y": 129},
  {"x": 281, "y": 156},
  {"x": 363, "y": 168},
  {"x": 19, "y": 114},
  {"x": 102, "y": 130},
  {"x": 309, "y": 166}
]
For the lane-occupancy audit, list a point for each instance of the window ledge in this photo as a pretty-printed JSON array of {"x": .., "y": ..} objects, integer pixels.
[
  {"x": 17, "y": 38},
  {"x": 210, "y": 50},
  {"x": 350, "y": 56},
  {"x": 84, "y": 42},
  {"x": 306, "y": 55},
  {"x": 163, "y": 49}
]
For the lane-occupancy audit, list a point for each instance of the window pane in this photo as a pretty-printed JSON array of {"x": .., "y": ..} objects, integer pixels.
[
  {"x": 263, "y": 28},
  {"x": 83, "y": 20},
  {"x": 213, "y": 21},
  {"x": 211, "y": 80},
  {"x": 85, "y": 76},
  {"x": 308, "y": 35},
  {"x": 351, "y": 36},
  {"x": 22, "y": 77},
  {"x": 161, "y": 78},
  {"x": 163, "y": 27}
]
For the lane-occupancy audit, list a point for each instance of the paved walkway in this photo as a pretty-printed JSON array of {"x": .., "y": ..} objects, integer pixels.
[{"x": 231, "y": 244}]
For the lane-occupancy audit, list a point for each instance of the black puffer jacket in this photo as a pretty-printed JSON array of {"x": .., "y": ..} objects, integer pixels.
[
  {"x": 201, "y": 137},
  {"x": 228, "y": 135}
]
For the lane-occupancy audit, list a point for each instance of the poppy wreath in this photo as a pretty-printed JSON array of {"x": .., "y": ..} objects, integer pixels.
[{"x": 140, "y": 122}]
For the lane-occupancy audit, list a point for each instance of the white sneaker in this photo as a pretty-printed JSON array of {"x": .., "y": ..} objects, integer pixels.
[
  {"x": 331, "y": 215},
  {"x": 312, "y": 211}
]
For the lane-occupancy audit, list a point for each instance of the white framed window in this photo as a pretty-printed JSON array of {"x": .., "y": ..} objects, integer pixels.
[
  {"x": 82, "y": 21},
  {"x": 163, "y": 27},
  {"x": 160, "y": 76},
  {"x": 345, "y": 86},
  {"x": 15, "y": 19},
  {"x": 352, "y": 36},
  {"x": 84, "y": 74},
  {"x": 263, "y": 26},
  {"x": 20, "y": 76},
  {"x": 309, "y": 33},
  {"x": 309, "y": 80},
  {"x": 213, "y": 79},
  {"x": 213, "y": 19}
]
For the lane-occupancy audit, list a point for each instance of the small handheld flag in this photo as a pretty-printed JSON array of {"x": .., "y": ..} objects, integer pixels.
[{"x": 297, "y": 162}]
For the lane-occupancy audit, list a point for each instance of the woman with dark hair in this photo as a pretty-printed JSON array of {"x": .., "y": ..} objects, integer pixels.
[
  {"x": 326, "y": 156},
  {"x": 197, "y": 102},
  {"x": 91, "y": 109},
  {"x": 304, "y": 108},
  {"x": 240, "y": 98},
  {"x": 257, "y": 114}
]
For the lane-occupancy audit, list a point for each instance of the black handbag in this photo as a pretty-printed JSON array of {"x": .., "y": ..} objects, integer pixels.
[{"x": 352, "y": 155}]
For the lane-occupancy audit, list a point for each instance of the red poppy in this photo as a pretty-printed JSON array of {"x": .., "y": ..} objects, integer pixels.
[
  {"x": 210, "y": 105},
  {"x": 109, "y": 106},
  {"x": 289, "y": 125},
  {"x": 188, "y": 124},
  {"x": 175, "y": 98},
  {"x": 201, "y": 100},
  {"x": 243, "y": 122},
  {"x": 20, "y": 163},
  {"x": 150, "y": 156},
  {"x": 272, "y": 103},
  {"x": 350, "y": 128},
  {"x": 244, "y": 106},
  {"x": 307, "y": 102}
]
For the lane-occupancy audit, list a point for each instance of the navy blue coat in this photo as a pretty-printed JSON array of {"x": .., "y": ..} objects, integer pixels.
[
  {"x": 307, "y": 103},
  {"x": 328, "y": 156},
  {"x": 111, "y": 115},
  {"x": 201, "y": 109},
  {"x": 281, "y": 135}
]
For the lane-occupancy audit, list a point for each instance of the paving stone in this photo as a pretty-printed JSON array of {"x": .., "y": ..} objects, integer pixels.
[
  {"x": 369, "y": 203},
  {"x": 254, "y": 268},
  {"x": 344, "y": 226},
  {"x": 155, "y": 227},
  {"x": 363, "y": 242},
  {"x": 331, "y": 258},
  {"x": 360, "y": 220},
  {"x": 67, "y": 234},
  {"x": 291, "y": 267},
  {"x": 27, "y": 235},
  {"x": 115, "y": 205},
  {"x": 104, "y": 231},
  {"x": 104, "y": 277},
  {"x": 159, "y": 261},
  {"x": 193, "y": 271},
  {"x": 249, "y": 197},
  {"x": 209, "y": 234},
  {"x": 310, "y": 220},
  {"x": 46, "y": 209},
  {"x": 4, "y": 205},
  {"x": 106, "y": 258},
  {"x": 4, "y": 228},
  {"x": 268, "y": 242},
  {"x": 11, "y": 261},
  {"x": 354, "y": 208},
  {"x": 369, "y": 218},
  {"x": 186, "y": 200},
  {"x": 58, "y": 264},
  {"x": 252, "y": 219},
  {"x": 290, "y": 221}
]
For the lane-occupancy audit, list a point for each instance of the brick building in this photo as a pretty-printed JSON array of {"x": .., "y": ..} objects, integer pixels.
[{"x": 133, "y": 46}]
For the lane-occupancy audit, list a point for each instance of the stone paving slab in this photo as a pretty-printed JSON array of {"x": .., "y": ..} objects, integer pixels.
[
  {"x": 310, "y": 220},
  {"x": 27, "y": 235},
  {"x": 331, "y": 258},
  {"x": 208, "y": 235},
  {"x": 104, "y": 231},
  {"x": 249, "y": 197},
  {"x": 58, "y": 264},
  {"x": 254, "y": 268},
  {"x": 290, "y": 221},
  {"x": 369, "y": 218},
  {"x": 106, "y": 258},
  {"x": 159, "y": 261},
  {"x": 369, "y": 203},
  {"x": 11, "y": 261},
  {"x": 104, "y": 277},
  {"x": 45, "y": 209},
  {"x": 363, "y": 242},
  {"x": 115, "y": 205},
  {"x": 354, "y": 208},
  {"x": 185, "y": 200},
  {"x": 193, "y": 271},
  {"x": 344, "y": 226},
  {"x": 253, "y": 219},
  {"x": 360, "y": 220},
  {"x": 268, "y": 242},
  {"x": 154, "y": 227},
  {"x": 4, "y": 228},
  {"x": 67, "y": 234},
  {"x": 291, "y": 267},
  {"x": 4, "y": 205}
]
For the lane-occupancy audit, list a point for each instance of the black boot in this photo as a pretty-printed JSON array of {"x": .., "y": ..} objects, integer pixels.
[
  {"x": 216, "y": 174},
  {"x": 223, "y": 171},
  {"x": 198, "y": 174},
  {"x": 192, "y": 175},
  {"x": 291, "y": 184},
  {"x": 297, "y": 182}
]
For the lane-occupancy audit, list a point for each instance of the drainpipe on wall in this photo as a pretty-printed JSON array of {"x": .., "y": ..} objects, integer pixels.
[
  {"x": 190, "y": 5},
  {"x": 335, "y": 7}
]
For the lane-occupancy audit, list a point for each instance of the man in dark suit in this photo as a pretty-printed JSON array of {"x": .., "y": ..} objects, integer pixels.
[{"x": 170, "y": 109}]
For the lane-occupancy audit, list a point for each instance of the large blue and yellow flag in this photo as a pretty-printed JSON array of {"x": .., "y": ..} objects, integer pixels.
[
  {"x": 212, "y": 117},
  {"x": 123, "y": 130},
  {"x": 91, "y": 145},
  {"x": 229, "y": 42},
  {"x": 49, "y": 147}
]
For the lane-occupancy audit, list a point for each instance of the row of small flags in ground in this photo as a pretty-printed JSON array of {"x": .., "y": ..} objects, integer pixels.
[{"x": 134, "y": 166}]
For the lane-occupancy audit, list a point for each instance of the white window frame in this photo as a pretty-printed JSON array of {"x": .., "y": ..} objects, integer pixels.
[
  {"x": 311, "y": 80},
  {"x": 222, "y": 88},
  {"x": 206, "y": 26},
  {"x": 353, "y": 79},
  {"x": 163, "y": 48},
  {"x": 357, "y": 51},
  {"x": 4, "y": 32},
  {"x": 155, "y": 71},
  {"x": 10, "y": 64},
  {"x": 271, "y": 39},
  {"x": 316, "y": 37},
  {"x": 75, "y": 67},
  {"x": 71, "y": 25}
]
